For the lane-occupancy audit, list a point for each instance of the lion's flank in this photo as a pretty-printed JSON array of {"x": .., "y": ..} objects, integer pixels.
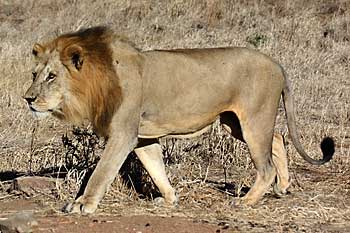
[{"x": 94, "y": 91}]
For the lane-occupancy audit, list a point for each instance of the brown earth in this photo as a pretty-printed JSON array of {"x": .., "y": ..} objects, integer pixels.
[{"x": 57, "y": 222}]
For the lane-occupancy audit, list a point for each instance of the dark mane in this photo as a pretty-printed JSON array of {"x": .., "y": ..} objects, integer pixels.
[{"x": 94, "y": 89}]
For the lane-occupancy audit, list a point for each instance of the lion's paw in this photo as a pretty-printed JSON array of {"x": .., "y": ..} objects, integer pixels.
[
  {"x": 280, "y": 191},
  {"x": 160, "y": 201},
  {"x": 244, "y": 202},
  {"x": 80, "y": 206}
]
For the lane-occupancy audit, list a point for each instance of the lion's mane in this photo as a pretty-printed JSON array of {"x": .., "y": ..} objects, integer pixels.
[{"x": 94, "y": 92}]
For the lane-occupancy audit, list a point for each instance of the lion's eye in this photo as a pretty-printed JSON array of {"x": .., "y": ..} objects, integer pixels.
[{"x": 51, "y": 76}]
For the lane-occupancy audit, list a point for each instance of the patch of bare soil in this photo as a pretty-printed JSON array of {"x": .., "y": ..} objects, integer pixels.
[
  {"x": 15, "y": 212},
  {"x": 130, "y": 224}
]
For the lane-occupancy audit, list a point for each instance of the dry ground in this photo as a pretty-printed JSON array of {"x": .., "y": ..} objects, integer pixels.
[{"x": 311, "y": 39}]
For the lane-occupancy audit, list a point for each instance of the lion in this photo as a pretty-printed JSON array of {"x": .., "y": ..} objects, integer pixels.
[{"x": 133, "y": 98}]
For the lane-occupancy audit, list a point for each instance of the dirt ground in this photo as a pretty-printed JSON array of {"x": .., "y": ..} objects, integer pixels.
[
  {"x": 143, "y": 216},
  {"x": 107, "y": 223},
  {"x": 311, "y": 40},
  {"x": 302, "y": 210}
]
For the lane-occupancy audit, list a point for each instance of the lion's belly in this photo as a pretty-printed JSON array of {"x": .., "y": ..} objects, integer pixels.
[
  {"x": 179, "y": 115},
  {"x": 181, "y": 127}
]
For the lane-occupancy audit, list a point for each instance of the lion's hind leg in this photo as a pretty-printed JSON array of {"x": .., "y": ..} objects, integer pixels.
[
  {"x": 151, "y": 156},
  {"x": 279, "y": 158},
  {"x": 259, "y": 139},
  {"x": 230, "y": 122}
]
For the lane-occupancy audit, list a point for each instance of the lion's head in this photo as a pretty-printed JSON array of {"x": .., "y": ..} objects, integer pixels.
[{"x": 74, "y": 79}]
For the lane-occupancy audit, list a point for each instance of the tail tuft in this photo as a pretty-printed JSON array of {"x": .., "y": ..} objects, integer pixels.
[{"x": 327, "y": 147}]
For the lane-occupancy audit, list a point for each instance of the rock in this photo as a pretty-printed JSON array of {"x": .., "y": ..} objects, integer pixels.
[
  {"x": 31, "y": 185},
  {"x": 19, "y": 223}
]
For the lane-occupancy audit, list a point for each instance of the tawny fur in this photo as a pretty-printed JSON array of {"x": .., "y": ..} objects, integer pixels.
[{"x": 135, "y": 97}]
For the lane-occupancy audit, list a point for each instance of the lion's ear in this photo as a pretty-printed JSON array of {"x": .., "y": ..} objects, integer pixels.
[
  {"x": 74, "y": 54},
  {"x": 38, "y": 50}
]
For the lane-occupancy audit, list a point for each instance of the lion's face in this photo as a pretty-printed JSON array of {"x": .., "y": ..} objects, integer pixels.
[
  {"x": 46, "y": 93},
  {"x": 51, "y": 75}
]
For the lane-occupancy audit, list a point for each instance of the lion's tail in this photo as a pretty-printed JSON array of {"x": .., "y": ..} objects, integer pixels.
[{"x": 327, "y": 144}]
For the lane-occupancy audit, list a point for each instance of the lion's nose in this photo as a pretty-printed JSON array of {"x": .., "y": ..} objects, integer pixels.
[{"x": 30, "y": 99}]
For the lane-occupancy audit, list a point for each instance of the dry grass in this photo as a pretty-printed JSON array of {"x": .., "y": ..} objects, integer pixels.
[{"x": 311, "y": 39}]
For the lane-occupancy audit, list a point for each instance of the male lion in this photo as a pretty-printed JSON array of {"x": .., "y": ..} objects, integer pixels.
[{"x": 135, "y": 97}]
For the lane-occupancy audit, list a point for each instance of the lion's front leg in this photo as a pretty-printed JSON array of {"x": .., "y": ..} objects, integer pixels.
[
  {"x": 122, "y": 140},
  {"x": 105, "y": 172}
]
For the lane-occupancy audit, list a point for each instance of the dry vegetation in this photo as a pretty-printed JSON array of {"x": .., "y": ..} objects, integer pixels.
[{"x": 311, "y": 39}]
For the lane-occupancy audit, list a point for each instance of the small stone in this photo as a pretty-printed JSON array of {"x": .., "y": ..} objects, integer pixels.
[
  {"x": 19, "y": 223},
  {"x": 31, "y": 185}
]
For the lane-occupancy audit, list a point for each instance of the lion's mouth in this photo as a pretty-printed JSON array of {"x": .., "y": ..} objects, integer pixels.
[
  {"x": 32, "y": 108},
  {"x": 39, "y": 113}
]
